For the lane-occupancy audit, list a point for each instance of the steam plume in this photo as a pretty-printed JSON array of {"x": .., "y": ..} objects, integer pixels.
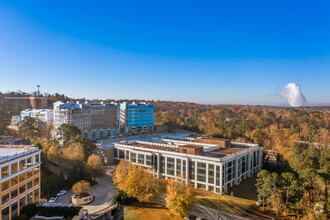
[{"x": 293, "y": 93}]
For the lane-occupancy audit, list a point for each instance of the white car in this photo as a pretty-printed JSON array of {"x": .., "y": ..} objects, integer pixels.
[
  {"x": 52, "y": 199},
  {"x": 61, "y": 193},
  {"x": 259, "y": 203}
]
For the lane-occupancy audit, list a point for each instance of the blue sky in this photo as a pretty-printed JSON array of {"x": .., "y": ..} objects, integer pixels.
[{"x": 214, "y": 52}]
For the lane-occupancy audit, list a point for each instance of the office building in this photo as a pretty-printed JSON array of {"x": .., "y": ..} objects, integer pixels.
[
  {"x": 214, "y": 167},
  {"x": 19, "y": 178},
  {"x": 32, "y": 102},
  {"x": 136, "y": 118},
  {"x": 95, "y": 120}
]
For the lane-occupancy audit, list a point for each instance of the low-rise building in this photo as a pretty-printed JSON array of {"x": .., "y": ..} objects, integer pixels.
[
  {"x": 33, "y": 102},
  {"x": 136, "y": 117},
  {"x": 95, "y": 120},
  {"x": 213, "y": 167},
  {"x": 42, "y": 116},
  {"x": 19, "y": 178}
]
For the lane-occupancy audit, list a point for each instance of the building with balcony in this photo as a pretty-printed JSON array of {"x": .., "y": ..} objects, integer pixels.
[
  {"x": 135, "y": 118},
  {"x": 19, "y": 178},
  {"x": 213, "y": 167},
  {"x": 95, "y": 120}
]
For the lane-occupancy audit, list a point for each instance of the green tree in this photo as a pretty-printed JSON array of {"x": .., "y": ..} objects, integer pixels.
[
  {"x": 66, "y": 131},
  {"x": 27, "y": 127},
  {"x": 291, "y": 188},
  {"x": 264, "y": 186}
]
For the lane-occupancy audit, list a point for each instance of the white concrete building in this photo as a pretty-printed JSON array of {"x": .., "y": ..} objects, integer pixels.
[{"x": 206, "y": 166}]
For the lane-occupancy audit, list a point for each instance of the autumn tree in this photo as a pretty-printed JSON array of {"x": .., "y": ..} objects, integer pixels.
[
  {"x": 95, "y": 166},
  {"x": 75, "y": 152},
  {"x": 52, "y": 153},
  {"x": 82, "y": 188},
  {"x": 136, "y": 182},
  {"x": 179, "y": 197}
]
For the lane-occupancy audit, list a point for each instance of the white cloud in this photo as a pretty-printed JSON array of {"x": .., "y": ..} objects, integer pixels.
[{"x": 293, "y": 94}]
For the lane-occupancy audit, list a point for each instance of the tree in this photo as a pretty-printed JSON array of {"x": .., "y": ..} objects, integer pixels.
[
  {"x": 291, "y": 187},
  {"x": 75, "y": 152},
  {"x": 264, "y": 186},
  {"x": 82, "y": 188},
  {"x": 136, "y": 182},
  {"x": 52, "y": 153},
  {"x": 258, "y": 136},
  {"x": 68, "y": 131},
  {"x": 27, "y": 127},
  {"x": 179, "y": 197},
  {"x": 95, "y": 166}
]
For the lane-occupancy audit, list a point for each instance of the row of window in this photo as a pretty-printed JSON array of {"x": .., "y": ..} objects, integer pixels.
[
  {"x": 22, "y": 164},
  {"x": 22, "y": 202},
  {"x": 18, "y": 179}
]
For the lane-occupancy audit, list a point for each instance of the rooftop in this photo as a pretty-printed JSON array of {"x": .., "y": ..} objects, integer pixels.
[
  {"x": 156, "y": 147},
  {"x": 8, "y": 152}
]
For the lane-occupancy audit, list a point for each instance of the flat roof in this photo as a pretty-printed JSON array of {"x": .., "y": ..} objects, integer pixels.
[
  {"x": 156, "y": 147},
  {"x": 12, "y": 150},
  {"x": 214, "y": 139},
  {"x": 191, "y": 146},
  {"x": 230, "y": 150}
]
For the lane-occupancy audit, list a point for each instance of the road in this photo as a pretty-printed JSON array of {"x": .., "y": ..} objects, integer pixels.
[{"x": 103, "y": 192}]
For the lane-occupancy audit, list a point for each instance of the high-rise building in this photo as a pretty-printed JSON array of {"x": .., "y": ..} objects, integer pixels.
[
  {"x": 19, "y": 178},
  {"x": 95, "y": 120},
  {"x": 135, "y": 118}
]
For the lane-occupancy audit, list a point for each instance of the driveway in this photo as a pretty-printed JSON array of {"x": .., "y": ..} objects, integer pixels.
[{"x": 103, "y": 192}]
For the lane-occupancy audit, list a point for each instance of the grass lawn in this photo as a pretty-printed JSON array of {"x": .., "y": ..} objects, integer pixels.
[
  {"x": 231, "y": 204},
  {"x": 149, "y": 211}
]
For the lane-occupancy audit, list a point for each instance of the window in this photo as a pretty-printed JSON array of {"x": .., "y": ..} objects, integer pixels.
[
  {"x": 5, "y": 199},
  {"x": 133, "y": 157},
  {"x": 201, "y": 172},
  {"x": 14, "y": 168},
  {"x": 29, "y": 162},
  {"x": 37, "y": 158},
  {"x": 36, "y": 181},
  {"x": 192, "y": 170},
  {"x": 22, "y": 165},
  {"x": 22, "y": 202},
  {"x": 14, "y": 193},
  {"x": 178, "y": 166},
  {"x": 5, "y": 212},
  {"x": 14, "y": 180},
  {"x": 5, "y": 185},
  {"x": 29, "y": 173},
  {"x": 140, "y": 158},
  {"x": 22, "y": 177},
  {"x": 35, "y": 170},
  {"x": 22, "y": 189},
  {"x": 36, "y": 195},
  {"x": 149, "y": 160},
  {"x": 29, "y": 185},
  {"x": 29, "y": 198},
  {"x": 4, "y": 171},
  {"x": 121, "y": 153},
  {"x": 115, "y": 153},
  {"x": 170, "y": 166},
  {"x": 211, "y": 173}
]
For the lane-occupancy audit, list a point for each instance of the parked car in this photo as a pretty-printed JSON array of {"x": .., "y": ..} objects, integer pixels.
[
  {"x": 112, "y": 136},
  {"x": 61, "y": 193},
  {"x": 259, "y": 203},
  {"x": 52, "y": 199},
  {"x": 120, "y": 135}
]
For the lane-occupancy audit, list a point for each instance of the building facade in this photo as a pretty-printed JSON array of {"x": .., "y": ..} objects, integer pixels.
[
  {"x": 29, "y": 102},
  {"x": 206, "y": 166},
  {"x": 95, "y": 120},
  {"x": 19, "y": 178},
  {"x": 42, "y": 116},
  {"x": 135, "y": 118}
]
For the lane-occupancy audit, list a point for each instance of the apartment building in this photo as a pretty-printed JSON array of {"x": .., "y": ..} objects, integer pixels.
[
  {"x": 19, "y": 178},
  {"x": 214, "y": 167},
  {"x": 95, "y": 120},
  {"x": 43, "y": 116},
  {"x": 135, "y": 118}
]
